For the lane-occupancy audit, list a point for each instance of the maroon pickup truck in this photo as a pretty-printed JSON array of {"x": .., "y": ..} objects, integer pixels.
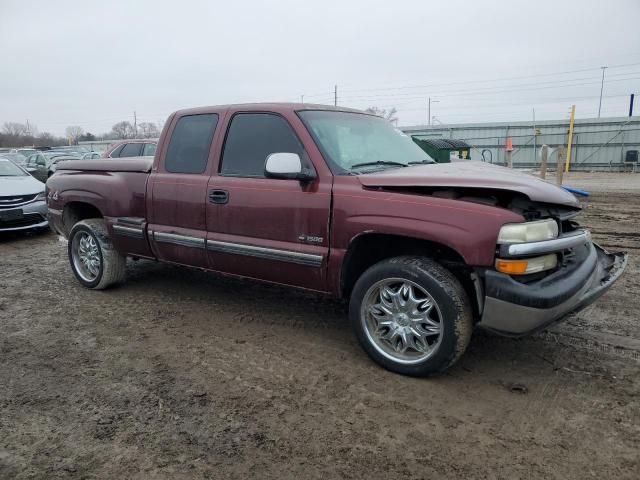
[{"x": 338, "y": 201}]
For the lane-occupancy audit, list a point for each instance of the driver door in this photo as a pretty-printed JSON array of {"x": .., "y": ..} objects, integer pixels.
[
  {"x": 266, "y": 228},
  {"x": 37, "y": 166}
]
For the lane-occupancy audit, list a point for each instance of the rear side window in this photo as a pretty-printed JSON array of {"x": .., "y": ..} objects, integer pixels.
[
  {"x": 116, "y": 152},
  {"x": 190, "y": 144},
  {"x": 131, "y": 150},
  {"x": 251, "y": 138},
  {"x": 149, "y": 149}
]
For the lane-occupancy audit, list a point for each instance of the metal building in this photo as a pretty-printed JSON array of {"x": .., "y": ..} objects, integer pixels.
[{"x": 598, "y": 144}]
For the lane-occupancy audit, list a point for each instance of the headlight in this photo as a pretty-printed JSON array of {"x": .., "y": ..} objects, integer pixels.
[
  {"x": 528, "y": 232},
  {"x": 41, "y": 196}
]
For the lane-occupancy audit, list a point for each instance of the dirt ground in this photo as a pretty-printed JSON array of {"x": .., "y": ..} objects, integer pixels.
[{"x": 182, "y": 374}]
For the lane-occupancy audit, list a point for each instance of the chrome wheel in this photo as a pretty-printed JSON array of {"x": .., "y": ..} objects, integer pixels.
[
  {"x": 86, "y": 256},
  {"x": 401, "y": 320}
]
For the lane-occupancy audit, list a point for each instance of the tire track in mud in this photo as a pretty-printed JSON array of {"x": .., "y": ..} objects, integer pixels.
[{"x": 625, "y": 347}]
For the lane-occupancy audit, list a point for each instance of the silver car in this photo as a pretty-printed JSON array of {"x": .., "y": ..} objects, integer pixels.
[{"x": 23, "y": 201}]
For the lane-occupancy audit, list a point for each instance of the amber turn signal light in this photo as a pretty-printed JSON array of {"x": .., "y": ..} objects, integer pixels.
[
  {"x": 528, "y": 265},
  {"x": 512, "y": 267}
]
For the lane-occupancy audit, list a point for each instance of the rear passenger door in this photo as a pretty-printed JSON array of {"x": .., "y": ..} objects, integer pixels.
[
  {"x": 265, "y": 228},
  {"x": 116, "y": 151},
  {"x": 178, "y": 187}
]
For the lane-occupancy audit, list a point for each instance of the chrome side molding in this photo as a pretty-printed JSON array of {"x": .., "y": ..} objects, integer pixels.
[
  {"x": 289, "y": 256},
  {"x": 182, "y": 240},
  {"x": 266, "y": 253},
  {"x": 128, "y": 231}
]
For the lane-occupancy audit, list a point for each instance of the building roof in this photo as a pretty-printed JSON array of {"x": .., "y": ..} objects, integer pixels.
[{"x": 443, "y": 143}]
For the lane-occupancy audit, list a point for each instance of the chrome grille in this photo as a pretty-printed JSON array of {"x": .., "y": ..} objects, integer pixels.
[{"x": 11, "y": 201}]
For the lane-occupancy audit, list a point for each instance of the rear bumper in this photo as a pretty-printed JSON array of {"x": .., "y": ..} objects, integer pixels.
[{"x": 515, "y": 309}]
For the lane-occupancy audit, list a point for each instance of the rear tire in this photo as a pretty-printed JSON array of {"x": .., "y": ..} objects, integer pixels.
[
  {"x": 411, "y": 315},
  {"x": 94, "y": 261}
]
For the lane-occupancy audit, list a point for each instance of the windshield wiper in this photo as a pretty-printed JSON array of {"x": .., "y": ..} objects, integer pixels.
[
  {"x": 421, "y": 162},
  {"x": 378, "y": 162}
]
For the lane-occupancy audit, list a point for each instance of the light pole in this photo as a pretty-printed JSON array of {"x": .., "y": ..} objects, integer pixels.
[
  {"x": 601, "y": 89},
  {"x": 429, "y": 110}
]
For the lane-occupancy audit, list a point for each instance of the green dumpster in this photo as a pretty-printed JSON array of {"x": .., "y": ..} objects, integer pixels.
[{"x": 444, "y": 150}]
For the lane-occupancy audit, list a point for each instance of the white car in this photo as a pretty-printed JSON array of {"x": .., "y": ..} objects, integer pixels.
[{"x": 23, "y": 201}]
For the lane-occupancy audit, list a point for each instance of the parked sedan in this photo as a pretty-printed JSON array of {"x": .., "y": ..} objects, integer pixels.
[
  {"x": 75, "y": 150},
  {"x": 23, "y": 203},
  {"x": 24, "y": 151},
  {"x": 132, "y": 148},
  {"x": 43, "y": 164}
]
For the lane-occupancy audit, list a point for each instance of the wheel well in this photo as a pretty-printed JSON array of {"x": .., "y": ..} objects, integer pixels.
[
  {"x": 75, "y": 211},
  {"x": 369, "y": 249}
]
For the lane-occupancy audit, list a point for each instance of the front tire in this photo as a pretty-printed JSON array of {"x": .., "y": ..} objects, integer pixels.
[
  {"x": 94, "y": 261},
  {"x": 411, "y": 315}
]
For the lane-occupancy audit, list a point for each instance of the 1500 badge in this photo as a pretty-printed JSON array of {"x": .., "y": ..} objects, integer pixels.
[{"x": 310, "y": 239}]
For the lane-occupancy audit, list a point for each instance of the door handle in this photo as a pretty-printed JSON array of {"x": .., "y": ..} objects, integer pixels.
[{"x": 218, "y": 196}]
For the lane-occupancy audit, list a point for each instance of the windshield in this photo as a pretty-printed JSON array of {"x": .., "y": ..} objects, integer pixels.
[
  {"x": 8, "y": 169},
  {"x": 355, "y": 142},
  {"x": 15, "y": 157}
]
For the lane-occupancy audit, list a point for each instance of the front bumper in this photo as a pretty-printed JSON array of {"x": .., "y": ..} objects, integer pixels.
[
  {"x": 55, "y": 221},
  {"x": 34, "y": 215},
  {"x": 513, "y": 308}
]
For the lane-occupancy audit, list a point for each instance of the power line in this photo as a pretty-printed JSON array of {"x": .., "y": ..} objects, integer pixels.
[
  {"x": 487, "y": 80},
  {"x": 498, "y": 89},
  {"x": 536, "y": 101}
]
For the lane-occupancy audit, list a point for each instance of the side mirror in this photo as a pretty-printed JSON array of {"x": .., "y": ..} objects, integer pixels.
[{"x": 287, "y": 166}]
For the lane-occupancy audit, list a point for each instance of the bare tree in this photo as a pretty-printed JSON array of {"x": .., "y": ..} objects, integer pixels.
[
  {"x": 148, "y": 130},
  {"x": 45, "y": 138},
  {"x": 14, "y": 128},
  {"x": 389, "y": 115},
  {"x": 122, "y": 130},
  {"x": 74, "y": 132}
]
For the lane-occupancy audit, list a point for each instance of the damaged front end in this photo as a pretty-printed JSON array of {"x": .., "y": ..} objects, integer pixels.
[{"x": 546, "y": 267}]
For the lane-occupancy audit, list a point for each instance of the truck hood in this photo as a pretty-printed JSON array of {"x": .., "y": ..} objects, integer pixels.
[
  {"x": 23, "y": 185},
  {"x": 470, "y": 174}
]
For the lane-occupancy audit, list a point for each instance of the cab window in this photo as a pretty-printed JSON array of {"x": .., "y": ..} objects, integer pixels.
[
  {"x": 251, "y": 138},
  {"x": 190, "y": 143}
]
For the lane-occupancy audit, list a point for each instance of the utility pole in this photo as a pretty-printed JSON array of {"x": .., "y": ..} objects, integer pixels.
[
  {"x": 335, "y": 95},
  {"x": 570, "y": 141},
  {"x": 301, "y": 98},
  {"x": 135, "y": 125},
  {"x": 535, "y": 146},
  {"x": 544, "y": 157},
  {"x": 429, "y": 110},
  {"x": 601, "y": 89},
  {"x": 631, "y": 105}
]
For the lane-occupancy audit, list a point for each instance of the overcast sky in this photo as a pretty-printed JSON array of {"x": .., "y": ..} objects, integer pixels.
[{"x": 92, "y": 63}]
